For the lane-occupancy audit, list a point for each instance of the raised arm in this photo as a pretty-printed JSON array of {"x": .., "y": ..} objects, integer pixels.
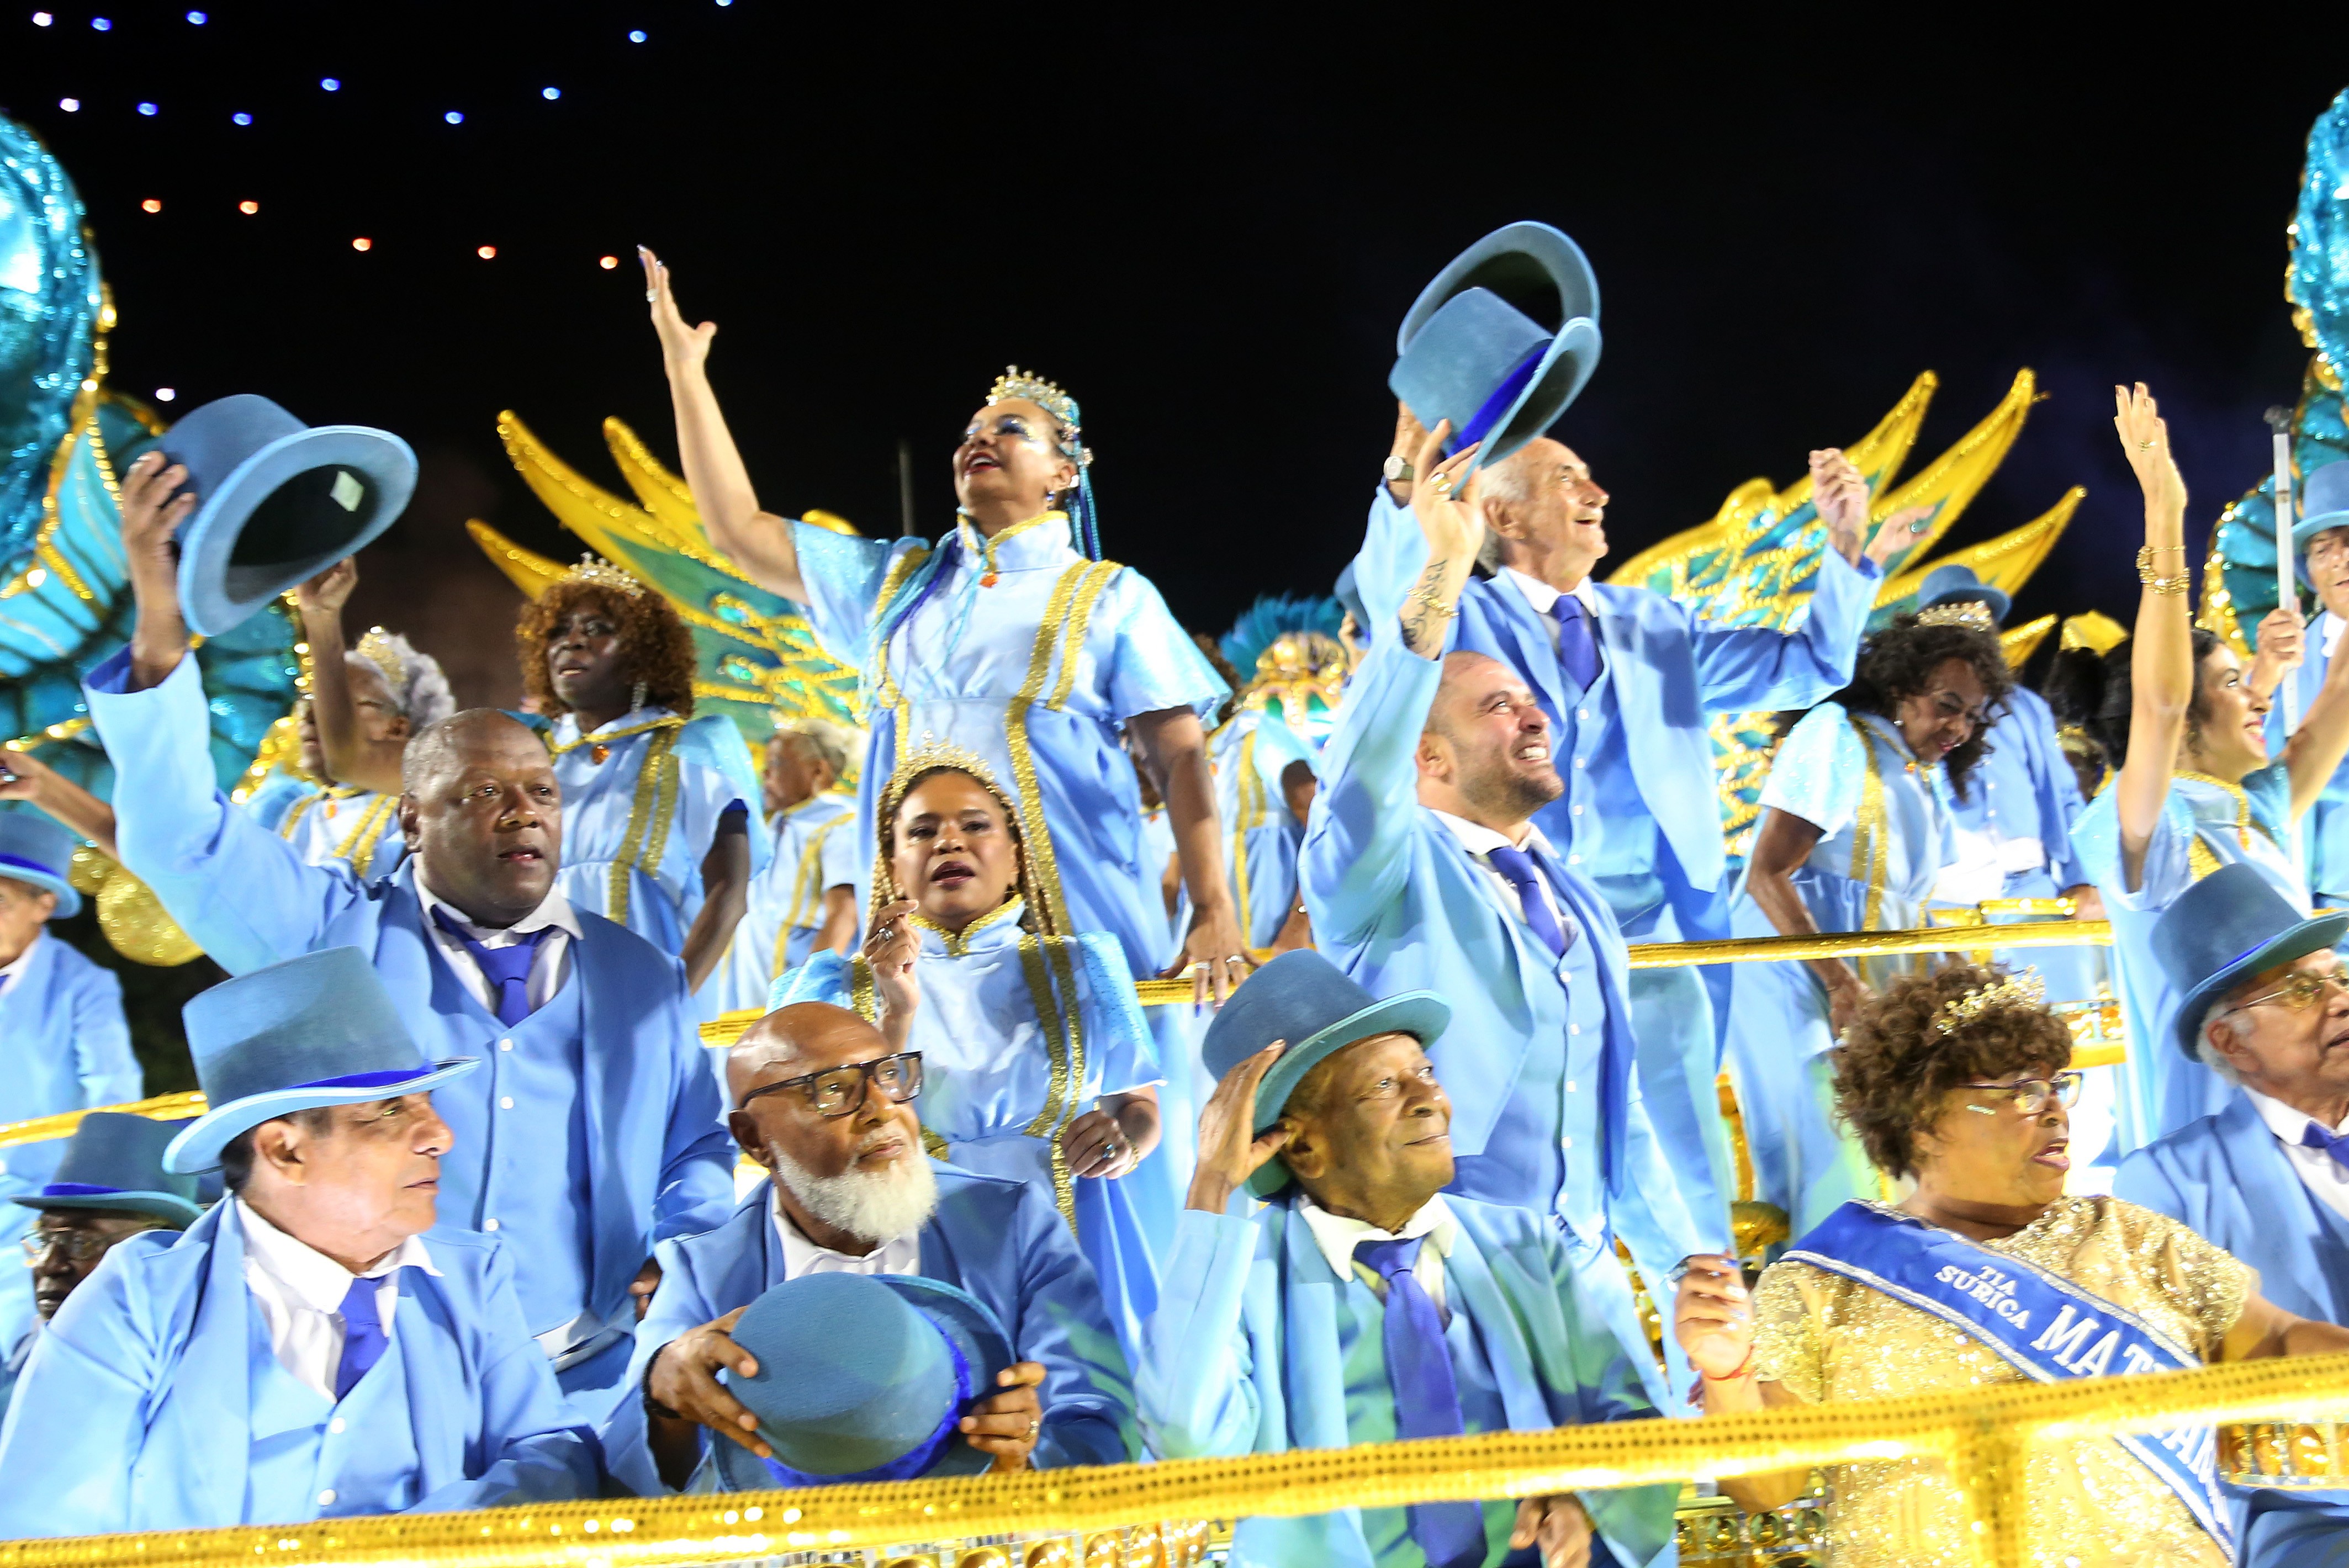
[
  {"x": 1173, "y": 747},
  {"x": 2161, "y": 654},
  {"x": 24, "y": 777},
  {"x": 350, "y": 756},
  {"x": 759, "y": 542}
]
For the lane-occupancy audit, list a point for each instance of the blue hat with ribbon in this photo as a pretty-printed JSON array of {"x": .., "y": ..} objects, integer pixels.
[
  {"x": 1954, "y": 584},
  {"x": 1303, "y": 998},
  {"x": 278, "y": 501},
  {"x": 114, "y": 1163},
  {"x": 2323, "y": 504},
  {"x": 315, "y": 1030},
  {"x": 37, "y": 851},
  {"x": 861, "y": 1377},
  {"x": 1502, "y": 341},
  {"x": 2225, "y": 929}
]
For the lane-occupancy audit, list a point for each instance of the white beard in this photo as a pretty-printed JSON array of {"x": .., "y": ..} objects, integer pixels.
[{"x": 873, "y": 1206}]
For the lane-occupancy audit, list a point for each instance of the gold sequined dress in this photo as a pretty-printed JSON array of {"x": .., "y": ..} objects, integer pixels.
[{"x": 2093, "y": 1505}]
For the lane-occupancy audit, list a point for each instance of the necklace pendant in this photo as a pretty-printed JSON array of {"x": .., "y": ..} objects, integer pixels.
[
  {"x": 597, "y": 752},
  {"x": 987, "y": 579}
]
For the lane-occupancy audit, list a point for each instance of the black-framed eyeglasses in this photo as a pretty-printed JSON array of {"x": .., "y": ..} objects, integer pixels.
[
  {"x": 839, "y": 1092},
  {"x": 2031, "y": 1094},
  {"x": 78, "y": 1246},
  {"x": 2298, "y": 992}
]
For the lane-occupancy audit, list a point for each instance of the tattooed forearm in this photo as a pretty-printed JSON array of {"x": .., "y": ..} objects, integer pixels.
[{"x": 1431, "y": 601}]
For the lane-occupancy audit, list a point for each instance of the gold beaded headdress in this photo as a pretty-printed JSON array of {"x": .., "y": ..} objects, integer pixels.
[
  {"x": 1970, "y": 613},
  {"x": 1016, "y": 383},
  {"x": 2023, "y": 990},
  {"x": 376, "y": 649},
  {"x": 593, "y": 568},
  {"x": 932, "y": 755}
]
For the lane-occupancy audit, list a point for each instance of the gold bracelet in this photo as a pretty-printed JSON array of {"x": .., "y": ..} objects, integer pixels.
[{"x": 2151, "y": 578}]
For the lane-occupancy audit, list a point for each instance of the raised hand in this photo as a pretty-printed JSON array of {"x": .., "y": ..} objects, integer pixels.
[
  {"x": 329, "y": 591},
  {"x": 1410, "y": 435},
  {"x": 2144, "y": 440},
  {"x": 153, "y": 508},
  {"x": 1229, "y": 1150},
  {"x": 1897, "y": 532},
  {"x": 682, "y": 346},
  {"x": 1004, "y": 1425},
  {"x": 1713, "y": 1317},
  {"x": 892, "y": 949}
]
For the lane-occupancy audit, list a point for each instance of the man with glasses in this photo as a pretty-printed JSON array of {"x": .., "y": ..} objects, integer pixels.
[
  {"x": 822, "y": 1103},
  {"x": 108, "y": 1186},
  {"x": 2268, "y": 1177}
]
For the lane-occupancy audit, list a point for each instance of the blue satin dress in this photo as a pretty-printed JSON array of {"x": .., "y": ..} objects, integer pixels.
[
  {"x": 641, "y": 800},
  {"x": 1885, "y": 833},
  {"x": 812, "y": 848},
  {"x": 1005, "y": 1053},
  {"x": 2205, "y": 823}
]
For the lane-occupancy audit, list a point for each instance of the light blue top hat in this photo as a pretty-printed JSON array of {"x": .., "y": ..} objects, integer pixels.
[
  {"x": 2225, "y": 929},
  {"x": 35, "y": 850},
  {"x": 114, "y": 1163},
  {"x": 1502, "y": 341},
  {"x": 861, "y": 1377},
  {"x": 278, "y": 501},
  {"x": 1953, "y": 584},
  {"x": 2323, "y": 503},
  {"x": 1303, "y": 998},
  {"x": 315, "y": 1030}
]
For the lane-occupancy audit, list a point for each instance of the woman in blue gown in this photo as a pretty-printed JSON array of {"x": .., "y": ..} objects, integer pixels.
[
  {"x": 1854, "y": 829},
  {"x": 655, "y": 802},
  {"x": 1036, "y": 1062},
  {"x": 2196, "y": 789}
]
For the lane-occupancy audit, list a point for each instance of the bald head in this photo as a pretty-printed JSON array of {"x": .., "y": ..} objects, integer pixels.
[
  {"x": 805, "y": 1037},
  {"x": 445, "y": 744},
  {"x": 483, "y": 814}
]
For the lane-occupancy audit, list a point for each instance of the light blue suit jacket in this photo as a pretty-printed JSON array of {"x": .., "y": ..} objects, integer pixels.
[
  {"x": 998, "y": 1240},
  {"x": 659, "y": 1161},
  {"x": 1399, "y": 904},
  {"x": 1670, "y": 669},
  {"x": 67, "y": 1049},
  {"x": 2028, "y": 782},
  {"x": 1244, "y": 1358},
  {"x": 133, "y": 1412},
  {"x": 2324, "y": 830}
]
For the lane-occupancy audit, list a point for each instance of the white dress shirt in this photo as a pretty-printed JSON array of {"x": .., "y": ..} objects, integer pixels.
[
  {"x": 12, "y": 970},
  {"x": 1481, "y": 842},
  {"x": 2329, "y": 627},
  {"x": 1543, "y": 598},
  {"x": 548, "y": 966},
  {"x": 2318, "y": 1171},
  {"x": 897, "y": 1255},
  {"x": 1338, "y": 1236},
  {"x": 299, "y": 1291}
]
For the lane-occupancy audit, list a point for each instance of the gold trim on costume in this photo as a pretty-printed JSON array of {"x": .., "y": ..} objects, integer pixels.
[
  {"x": 358, "y": 848},
  {"x": 1044, "y": 865},
  {"x": 1045, "y": 962},
  {"x": 861, "y": 992},
  {"x": 958, "y": 943},
  {"x": 2242, "y": 803},
  {"x": 606, "y": 736},
  {"x": 1870, "y": 839},
  {"x": 811, "y": 868},
  {"x": 647, "y": 835},
  {"x": 884, "y": 693},
  {"x": 1253, "y": 811}
]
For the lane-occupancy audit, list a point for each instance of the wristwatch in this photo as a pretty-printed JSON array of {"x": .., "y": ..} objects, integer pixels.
[{"x": 1397, "y": 470}]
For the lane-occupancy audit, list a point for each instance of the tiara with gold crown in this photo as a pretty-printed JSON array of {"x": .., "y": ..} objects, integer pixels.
[
  {"x": 1016, "y": 383},
  {"x": 2023, "y": 990},
  {"x": 593, "y": 568},
  {"x": 1970, "y": 613},
  {"x": 930, "y": 754},
  {"x": 376, "y": 649}
]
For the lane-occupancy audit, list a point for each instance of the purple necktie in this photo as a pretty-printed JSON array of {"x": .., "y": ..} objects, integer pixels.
[
  {"x": 2334, "y": 1143},
  {"x": 364, "y": 1340},
  {"x": 1427, "y": 1397},
  {"x": 1577, "y": 643},
  {"x": 1517, "y": 868},
  {"x": 507, "y": 969}
]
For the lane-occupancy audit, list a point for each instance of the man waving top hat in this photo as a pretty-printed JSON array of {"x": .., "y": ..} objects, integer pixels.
[{"x": 301, "y": 1352}]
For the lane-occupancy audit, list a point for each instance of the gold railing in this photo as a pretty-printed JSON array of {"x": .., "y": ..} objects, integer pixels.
[{"x": 1980, "y": 1434}]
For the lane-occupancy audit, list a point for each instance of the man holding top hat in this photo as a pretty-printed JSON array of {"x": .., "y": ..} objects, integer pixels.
[
  {"x": 64, "y": 1044},
  {"x": 2320, "y": 544},
  {"x": 2266, "y": 1007},
  {"x": 301, "y": 1352},
  {"x": 592, "y": 1129},
  {"x": 1422, "y": 869},
  {"x": 826, "y": 1103},
  {"x": 110, "y": 1186},
  {"x": 1360, "y": 1304},
  {"x": 1499, "y": 343}
]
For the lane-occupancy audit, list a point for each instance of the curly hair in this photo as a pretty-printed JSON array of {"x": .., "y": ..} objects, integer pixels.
[
  {"x": 1897, "y": 661},
  {"x": 2094, "y": 691},
  {"x": 655, "y": 646},
  {"x": 1895, "y": 1068}
]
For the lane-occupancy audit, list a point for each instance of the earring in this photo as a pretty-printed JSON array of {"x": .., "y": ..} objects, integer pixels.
[{"x": 636, "y": 697}]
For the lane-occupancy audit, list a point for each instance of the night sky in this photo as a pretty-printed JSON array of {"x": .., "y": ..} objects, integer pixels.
[{"x": 1206, "y": 228}]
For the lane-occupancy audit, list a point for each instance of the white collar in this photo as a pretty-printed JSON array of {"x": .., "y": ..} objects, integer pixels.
[
  {"x": 1544, "y": 598},
  {"x": 1338, "y": 1236},
  {"x": 309, "y": 1276},
  {"x": 897, "y": 1255},
  {"x": 1483, "y": 840},
  {"x": 2287, "y": 1124},
  {"x": 2329, "y": 627},
  {"x": 552, "y": 909},
  {"x": 16, "y": 965}
]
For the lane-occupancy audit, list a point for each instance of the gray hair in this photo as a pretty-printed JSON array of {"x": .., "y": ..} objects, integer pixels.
[
  {"x": 1509, "y": 482},
  {"x": 840, "y": 745},
  {"x": 419, "y": 689},
  {"x": 2238, "y": 1023}
]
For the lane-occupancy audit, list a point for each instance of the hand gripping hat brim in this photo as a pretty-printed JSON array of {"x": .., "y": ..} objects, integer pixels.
[
  {"x": 38, "y": 851},
  {"x": 1303, "y": 998},
  {"x": 1502, "y": 341},
  {"x": 313, "y": 1031},
  {"x": 976, "y": 1332},
  {"x": 278, "y": 502},
  {"x": 2225, "y": 929}
]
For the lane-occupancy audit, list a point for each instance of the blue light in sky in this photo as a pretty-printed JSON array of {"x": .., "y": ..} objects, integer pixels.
[
  {"x": 242, "y": 118},
  {"x": 146, "y": 108},
  {"x": 636, "y": 35},
  {"x": 330, "y": 83},
  {"x": 198, "y": 19},
  {"x": 453, "y": 117},
  {"x": 550, "y": 94},
  {"x": 101, "y": 24}
]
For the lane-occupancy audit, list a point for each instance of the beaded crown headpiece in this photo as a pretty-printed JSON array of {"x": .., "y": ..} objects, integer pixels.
[
  {"x": 1970, "y": 613},
  {"x": 594, "y": 568},
  {"x": 376, "y": 649},
  {"x": 1016, "y": 383},
  {"x": 932, "y": 755},
  {"x": 2023, "y": 990}
]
